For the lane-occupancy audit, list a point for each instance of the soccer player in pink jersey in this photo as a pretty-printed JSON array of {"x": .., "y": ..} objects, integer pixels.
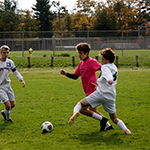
[{"x": 87, "y": 70}]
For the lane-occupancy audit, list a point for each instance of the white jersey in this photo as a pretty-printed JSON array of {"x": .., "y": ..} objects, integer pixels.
[
  {"x": 5, "y": 68},
  {"x": 108, "y": 72}
]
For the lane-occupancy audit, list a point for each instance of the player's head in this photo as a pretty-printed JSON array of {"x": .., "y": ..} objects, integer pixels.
[
  {"x": 108, "y": 54},
  {"x": 85, "y": 47},
  {"x": 83, "y": 50},
  {"x": 4, "y": 48},
  {"x": 4, "y": 51}
]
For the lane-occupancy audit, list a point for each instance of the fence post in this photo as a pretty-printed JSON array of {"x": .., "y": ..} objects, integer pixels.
[
  {"x": 137, "y": 61},
  {"x": 73, "y": 60},
  {"x": 29, "y": 62},
  {"x": 96, "y": 58},
  {"x": 52, "y": 59},
  {"x": 117, "y": 60}
]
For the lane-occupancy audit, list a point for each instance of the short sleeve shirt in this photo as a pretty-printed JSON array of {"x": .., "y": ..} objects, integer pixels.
[
  {"x": 87, "y": 70},
  {"x": 5, "y": 67}
]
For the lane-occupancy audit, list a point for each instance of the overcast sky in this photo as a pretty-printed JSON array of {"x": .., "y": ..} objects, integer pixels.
[{"x": 27, "y": 4}]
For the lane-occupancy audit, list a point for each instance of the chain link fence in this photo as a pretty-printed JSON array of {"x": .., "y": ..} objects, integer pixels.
[{"x": 61, "y": 40}]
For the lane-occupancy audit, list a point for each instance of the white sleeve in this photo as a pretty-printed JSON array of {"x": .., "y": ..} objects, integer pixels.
[
  {"x": 106, "y": 73},
  {"x": 18, "y": 75}
]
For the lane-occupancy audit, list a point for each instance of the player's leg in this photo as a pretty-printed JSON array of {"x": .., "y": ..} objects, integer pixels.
[
  {"x": 6, "y": 111},
  {"x": 119, "y": 123},
  {"x": 91, "y": 113},
  {"x": 108, "y": 125},
  {"x": 83, "y": 103},
  {"x": 12, "y": 101},
  {"x": 13, "y": 104}
]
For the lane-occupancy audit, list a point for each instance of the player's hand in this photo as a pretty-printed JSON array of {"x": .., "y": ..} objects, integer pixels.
[
  {"x": 23, "y": 83},
  {"x": 110, "y": 82},
  {"x": 96, "y": 85},
  {"x": 63, "y": 72}
]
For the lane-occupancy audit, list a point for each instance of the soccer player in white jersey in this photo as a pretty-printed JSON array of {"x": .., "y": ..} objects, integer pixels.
[
  {"x": 6, "y": 92},
  {"x": 105, "y": 93}
]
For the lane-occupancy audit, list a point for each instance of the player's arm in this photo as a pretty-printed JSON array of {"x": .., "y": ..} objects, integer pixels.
[
  {"x": 18, "y": 76},
  {"x": 100, "y": 72},
  {"x": 72, "y": 76},
  {"x": 69, "y": 75}
]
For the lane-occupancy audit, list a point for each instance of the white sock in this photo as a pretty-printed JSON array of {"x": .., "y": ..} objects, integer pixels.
[
  {"x": 121, "y": 125},
  {"x": 107, "y": 124},
  {"x": 7, "y": 113},
  {"x": 77, "y": 108},
  {"x": 97, "y": 116}
]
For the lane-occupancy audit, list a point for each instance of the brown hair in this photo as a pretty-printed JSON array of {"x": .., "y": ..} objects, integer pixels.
[
  {"x": 85, "y": 47},
  {"x": 108, "y": 54},
  {"x": 4, "y": 47}
]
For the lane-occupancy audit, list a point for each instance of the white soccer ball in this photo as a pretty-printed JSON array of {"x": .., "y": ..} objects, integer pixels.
[{"x": 47, "y": 127}]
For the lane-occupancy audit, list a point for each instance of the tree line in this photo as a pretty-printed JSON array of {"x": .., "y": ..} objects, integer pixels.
[{"x": 86, "y": 15}]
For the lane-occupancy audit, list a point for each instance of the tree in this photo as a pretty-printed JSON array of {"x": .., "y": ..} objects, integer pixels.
[
  {"x": 10, "y": 5},
  {"x": 60, "y": 12},
  {"x": 67, "y": 22},
  {"x": 103, "y": 21},
  {"x": 85, "y": 7},
  {"x": 126, "y": 11},
  {"x": 43, "y": 15},
  {"x": 9, "y": 19},
  {"x": 28, "y": 22}
]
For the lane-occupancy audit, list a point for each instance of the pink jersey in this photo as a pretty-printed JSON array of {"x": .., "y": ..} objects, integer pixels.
[{"x": 87, "y": 70}]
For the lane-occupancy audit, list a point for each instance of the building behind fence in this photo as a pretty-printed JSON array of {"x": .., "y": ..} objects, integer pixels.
[{"x": 50, "y": 40}]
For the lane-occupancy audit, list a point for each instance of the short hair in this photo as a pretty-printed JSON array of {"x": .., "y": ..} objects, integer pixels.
[
  {"x": 85, "y": 47},
  {"x": 4, "y": 47},
  {"x": 108, "y": 53}
]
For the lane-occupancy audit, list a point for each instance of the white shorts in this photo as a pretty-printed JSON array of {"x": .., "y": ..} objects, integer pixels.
[
  {"x": 95, "y": 99},
  {"x": 6, "y": 93}
]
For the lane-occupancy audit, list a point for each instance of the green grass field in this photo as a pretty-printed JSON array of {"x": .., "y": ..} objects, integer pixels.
[
  {"x": 49, "y": 96},
  {"x": 128, "y": 60}
]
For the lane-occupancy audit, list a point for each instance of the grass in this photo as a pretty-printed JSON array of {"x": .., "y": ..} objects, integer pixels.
[
  {"x": 38, "y": 59},
  {"x": 49, "y": 96}
]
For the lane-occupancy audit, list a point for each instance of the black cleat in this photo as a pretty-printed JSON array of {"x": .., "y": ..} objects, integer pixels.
[
  {"x": 103, "y": 123},
  {"x": 2, "y": 112},
  {"x": 9, "y": 120},
  {"x": 110, "y": 128}
]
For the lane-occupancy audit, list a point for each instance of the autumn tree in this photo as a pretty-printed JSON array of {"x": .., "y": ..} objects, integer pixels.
[
  {"x": 67, "y": 22},
  {"x": 86, "y": 7},
  {"x": 125, "y": 11},
  {"x": 60, "y": 11},
  {"x": 28, "y": 22},
  {"x": 143, "y": 11}
]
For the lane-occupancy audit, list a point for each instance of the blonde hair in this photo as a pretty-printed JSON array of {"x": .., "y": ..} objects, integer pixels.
[{"x": 4, "y": 47}]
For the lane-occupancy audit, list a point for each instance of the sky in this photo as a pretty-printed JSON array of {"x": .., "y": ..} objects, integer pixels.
[{"x": 27, "y": 4}]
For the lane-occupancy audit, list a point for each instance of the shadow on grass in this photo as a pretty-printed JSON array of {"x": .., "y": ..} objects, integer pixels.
[
  {"x": 4, "y": 125},
  {"x": 98, "y": 138}
]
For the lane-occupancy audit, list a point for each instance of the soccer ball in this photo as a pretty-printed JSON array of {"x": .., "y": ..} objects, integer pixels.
[{"x": 47, "y": 127}]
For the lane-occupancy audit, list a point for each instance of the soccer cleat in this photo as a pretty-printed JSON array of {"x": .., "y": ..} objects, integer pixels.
[
  {"x": 9, "y": 120},
  {"x": 103, "y": 123},
  {"x": 127, "y": 131},
  {"x": 2, "y": 112},
  {"x": 73, "y": 118},
  {"x": 110, "y": 128}
]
